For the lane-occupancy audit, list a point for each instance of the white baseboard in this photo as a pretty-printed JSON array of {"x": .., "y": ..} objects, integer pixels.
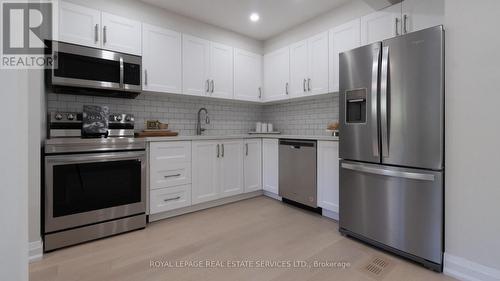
[
  {"x": 272, "y": 195},
  {"x": 466, "y": 270},
  {"x": 330, "y": 214},
  {"x": 35, "y": 250}
]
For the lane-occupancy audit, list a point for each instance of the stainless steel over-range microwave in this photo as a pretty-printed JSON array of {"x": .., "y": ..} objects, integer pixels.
[{"x": 87, "y": 70}]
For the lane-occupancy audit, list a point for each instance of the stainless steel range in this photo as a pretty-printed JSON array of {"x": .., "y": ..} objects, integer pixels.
[{"x": 94, "y": 186}]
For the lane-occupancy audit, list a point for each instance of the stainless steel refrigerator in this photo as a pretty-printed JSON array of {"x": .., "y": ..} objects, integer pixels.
[{"x": 392, "y": 145}]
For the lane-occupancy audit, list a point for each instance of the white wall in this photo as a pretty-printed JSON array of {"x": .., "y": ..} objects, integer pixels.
[
  {"x": 473, "y": 131},
  {"x": 351, "y": 10},
  {"x": 14, "y": 175},
  {"x": 137, "y": 10}
]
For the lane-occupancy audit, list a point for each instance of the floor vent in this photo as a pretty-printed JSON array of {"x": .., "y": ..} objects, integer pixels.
[{"x": 377, "y": 267}]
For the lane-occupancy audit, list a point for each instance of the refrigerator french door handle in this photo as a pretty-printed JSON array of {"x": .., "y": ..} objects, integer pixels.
[
  {"x": 389, "y": 173},
  {"x": 384, "y": 102},
  {"x": 374, "y": 109}
]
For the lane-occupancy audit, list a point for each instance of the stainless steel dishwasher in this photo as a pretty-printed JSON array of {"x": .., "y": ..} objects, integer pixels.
[{"x": 297, "y": 171}]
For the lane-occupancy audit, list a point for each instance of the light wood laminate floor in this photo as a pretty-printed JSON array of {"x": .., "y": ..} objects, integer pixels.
[{"x": 259, "y": 229}]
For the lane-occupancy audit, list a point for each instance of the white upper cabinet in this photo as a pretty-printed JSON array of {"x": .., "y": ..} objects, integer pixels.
[
  {"x": 231, "y": 172},
  {"x": 317, "y": 82},
  {"x": 79, "y": 25},
  {"x": 342, "y": 38},
  {"x": 299, "y": 68},
  {"x": 381, "y": 25},
  {"x": 277, "y": 75},
  {"x": 161, "y": 60},
  {"x": 270, "y": 165},
  {"x": 253, "y": 165},
  {"x": 221, "y": 71},
  {"x": 328, "y": 175},
  {"x": 247, "y": 76},
  {"x": 421, "y": 14},
  {"x": 309, "y": 66},
  {"x": 195, "y": 65},
  {"x": 121, "y": 34}
]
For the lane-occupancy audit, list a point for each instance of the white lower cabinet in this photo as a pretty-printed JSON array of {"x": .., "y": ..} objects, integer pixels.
[
  {"x": 170, "y": 198},
  {"x": 217, "y": 169},
  {"x": 270, "y": 166},
  {"x": 328, "y": 175},
  {"x": 252, "y": 165}
]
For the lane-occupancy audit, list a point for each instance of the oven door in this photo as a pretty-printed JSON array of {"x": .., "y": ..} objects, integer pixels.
[
  {"x": 79, "y": 66},
  {"x": 82, "y": 189}
]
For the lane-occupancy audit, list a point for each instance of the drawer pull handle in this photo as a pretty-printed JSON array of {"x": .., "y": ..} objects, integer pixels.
[
  {"x": 171, "y": 176},
  {"x": 171, "y": 199}
]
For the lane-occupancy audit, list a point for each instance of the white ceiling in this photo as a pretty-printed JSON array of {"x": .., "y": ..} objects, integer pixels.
[{"x": 276, "y": 16}]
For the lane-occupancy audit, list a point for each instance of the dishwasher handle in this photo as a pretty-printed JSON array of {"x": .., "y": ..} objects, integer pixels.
[{"x": 298, "y": 144}]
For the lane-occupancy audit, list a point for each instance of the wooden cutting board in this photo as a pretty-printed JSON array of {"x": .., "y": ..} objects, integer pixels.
[{"x": 149, "y": 133}]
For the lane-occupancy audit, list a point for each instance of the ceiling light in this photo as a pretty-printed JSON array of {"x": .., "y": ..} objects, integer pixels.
[{"x": 254, "y": 17}]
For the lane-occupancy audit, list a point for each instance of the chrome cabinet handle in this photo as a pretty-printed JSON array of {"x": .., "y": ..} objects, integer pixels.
[
  {"x": 171, "y": 199},
  {"x": 260, "y": 92},
  {"x": 405, "y": 21},
  {"x": 172, "y": 176},
  {"x": 218, "y": 151},
  {"x": 246, "y": 149},
  {"x": 213, "y": 86},
  {"x": 309, "y": 84},
  {"x": 396, "y": 24},
  {"x": 222, "y": 154},
  {"x": 304, "y": 85},
  {"x": 121, "y": 72},
  {"x": 384, "y": 101},
  {"x": 374, "y": 94},
  {"x": 96, "y": 33},
  {"x": 145, "y": 77},
  {"x": 207, "y": 83},
  {"x": 104, "y": 35},
  {"x": 286, "y": 88},
  {"x": 388, "y": 173}
]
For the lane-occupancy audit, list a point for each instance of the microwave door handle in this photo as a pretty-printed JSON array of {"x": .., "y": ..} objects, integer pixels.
[
  {"x": 374, "y": 103},
  {"x": 121, "y": 72},
  {"x": 384, "y": 101}
]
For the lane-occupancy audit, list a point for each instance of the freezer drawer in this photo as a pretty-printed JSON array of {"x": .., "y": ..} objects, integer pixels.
[
  {"x": 397, "y": 207},
  {"x": 297, "y": 171}
]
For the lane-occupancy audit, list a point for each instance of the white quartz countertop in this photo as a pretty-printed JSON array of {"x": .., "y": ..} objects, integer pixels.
[{"x": 242, "y": 136}]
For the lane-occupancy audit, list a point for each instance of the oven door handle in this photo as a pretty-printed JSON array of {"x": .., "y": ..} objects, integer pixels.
[{"x": 95, "y": 157}]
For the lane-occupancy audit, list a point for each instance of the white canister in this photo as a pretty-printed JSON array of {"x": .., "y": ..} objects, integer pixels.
[
  {"x": 270, "y": 128},
  {"x": 264, "y": 128},
  {"x": 258, "y": 127}
]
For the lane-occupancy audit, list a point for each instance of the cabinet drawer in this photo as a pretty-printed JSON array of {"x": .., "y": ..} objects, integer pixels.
[
  {"x": 166, "y": 199},
  {"x": 170, "y": 152},
  {"x": 167, "y": 175}
]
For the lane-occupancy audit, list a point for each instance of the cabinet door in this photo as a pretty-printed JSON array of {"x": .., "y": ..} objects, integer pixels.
[
  {"x": 276, "y": 75},
  {"x": 79, "y": 25},
  {"x": 247, "y": 76},
  {"x": 231, "y": 169},
  {"x": 270, "y": 165},
  {"x": 299, "y": 69},
  {"x": 121, "y": 34},
  {"x": 381, "y": 25},
  {"x": 252, "y": 165},
  {"x": 205, "y": 171},
  {"x": 328, "y": 175},
  {"x": 221, "y": 71},
  {"x": 317, "y": 82},
  {"x": 161, "y": 60},
  {"x": 342, "y": 38},
  {"x": 195, "y": 65},
  {"x": 422, "y": 14}
]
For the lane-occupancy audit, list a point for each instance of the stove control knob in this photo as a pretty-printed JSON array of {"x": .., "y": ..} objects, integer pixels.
[
  {"x": 118, "y": 118},
  {"x": 58, "y": 116},
  {"x": 129, "y": 118},
  {"x": 71, "y": 117}
]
